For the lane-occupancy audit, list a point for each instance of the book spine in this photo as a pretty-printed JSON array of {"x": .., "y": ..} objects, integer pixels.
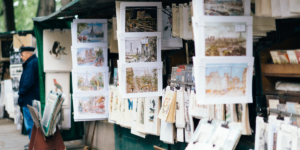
[
  {"x": 275, "y": 57},
  {"x": 292, "y": 56}
]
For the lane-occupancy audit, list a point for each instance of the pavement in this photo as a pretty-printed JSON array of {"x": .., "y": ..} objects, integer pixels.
[{"x": 12, "y": 139}]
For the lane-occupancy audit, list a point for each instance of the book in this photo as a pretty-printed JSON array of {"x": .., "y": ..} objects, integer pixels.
[
  {"x": 283, "y": 57},
  {"x": 292, "y": 56},
  {"x": 183, "y": 75},
  {"x": 275, "y": 57}
]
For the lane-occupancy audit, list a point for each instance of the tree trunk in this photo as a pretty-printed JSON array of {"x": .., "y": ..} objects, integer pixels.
[
  {"x": 65, "y": 2},
  {"x": 9, "y": 17},
  {"x": 45, "y": 8}
]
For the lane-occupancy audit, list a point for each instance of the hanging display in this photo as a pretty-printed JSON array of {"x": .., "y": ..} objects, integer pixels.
[
  {"x": 59, "y": 82},
  {"x": 140, "y": 120},
  {"x": 223, "y": 36},
  {"x": 89, "y": 56},
  {"x": 90, "y": 106},
  {"x": 141, "y": 80},
  {"x": 89, "y": 81},
  {"x": 140, "y": 47},
  {"x": 16, "y": 70},
  {"x": 221, "y": 8},
  {"x": 187, "y": 22},
  {"x": 88, "y": 32},
  {"x": 152, "y": 123},
  {"x": 143, "y": 17},
  {"x": 57, "y": 50},
  {"x": 15, "y": 58},
  {"x": 227, "y": 80},
  {"x": 134, "y": 119}
]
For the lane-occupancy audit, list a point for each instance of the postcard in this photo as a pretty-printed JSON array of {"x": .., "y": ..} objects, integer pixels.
[
  {"x": 89, "y": 31},
  {"x": 226, "y": 80},
  {"x": 141, "y": 17}
]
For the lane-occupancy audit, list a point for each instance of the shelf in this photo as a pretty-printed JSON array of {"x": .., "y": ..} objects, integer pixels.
[
  {"x": 284, "y": 93},
  {"x": 281, "y": 70}
]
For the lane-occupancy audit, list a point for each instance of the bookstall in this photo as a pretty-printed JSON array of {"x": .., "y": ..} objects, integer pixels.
[{"x": 170, "y": 74}]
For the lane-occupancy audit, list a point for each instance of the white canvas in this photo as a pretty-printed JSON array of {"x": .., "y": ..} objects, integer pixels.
[
  {"x": 168, "y": 41},
  {"x": 134, "y": 51},
  {"x": 187, "y": 23},
  {"x": 180, "y": 122},
  {"x": 201, "y": 9},
  {"x": 275, "y": 5},
  {"x": 90, "y": 81},
  {"x": 156, "y": 5},
  {"x": 91, "y": 57},
  {"x": 135, "y": 71},
  {"x": 285, "y": 10},
  {"x": 66, "y": 118},
  {"x": 90, "y": 106},
  {"x": 209, "y": 30},
  {"x": 134, "y": 120},
  {"x": 166, "y": 129},
  {"x": 152, "y": 123},
  {"x": 218, "y": 69},
  {"x": 294, "y": 6},
  {"x": 88, "y": 32},
  {"x": 140, "y": 120},
  {"x": 59, "y": 82},
  {"x": 58, "y": 42}
]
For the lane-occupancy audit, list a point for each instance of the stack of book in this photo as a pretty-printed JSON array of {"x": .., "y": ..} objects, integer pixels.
[
  {"x": 286, "y": 56},
  {"x": 51, "y": 115}
]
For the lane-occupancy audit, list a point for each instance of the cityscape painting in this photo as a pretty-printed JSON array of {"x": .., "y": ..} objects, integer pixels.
[
  {"x": 221, "y": 39},
  {"x": 90, "y": 32},
  {"x": 141, "y": 80},
  {"x": 90, "y": 81},
  {"x": 226, "y": 80},
  {"x": 224, "y": 7},
  {"x": 141, "y": 19},
  {"x": 136, "y": 51},
  {"x": 91, "y": 105},
  {"x": 90, "y": 57}
]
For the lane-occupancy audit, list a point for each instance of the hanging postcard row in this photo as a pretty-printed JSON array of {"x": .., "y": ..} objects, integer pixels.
[{"x": 90, "y": 71}]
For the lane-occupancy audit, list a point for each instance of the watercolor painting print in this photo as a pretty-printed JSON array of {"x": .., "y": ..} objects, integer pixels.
[
  {"x": 141, "y": 19},
  {"x": 91, "y": 105},
  {"x": 224, "y": 7},
  {"x": 221, "y": 39},
  {"x": 92, "y": 32},
  {"x": 90, "y": 81},
  {"x": 136, "y": 51},
  {"x": 90, "y": 57},
  {"x": 226, "y": 80},
  {"x": 141, "y": 80}
]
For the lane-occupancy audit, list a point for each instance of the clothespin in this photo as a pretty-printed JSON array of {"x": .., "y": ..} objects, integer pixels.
[
  {"x": 225, "y": 125},
  {"x": 209, "y": 121}
]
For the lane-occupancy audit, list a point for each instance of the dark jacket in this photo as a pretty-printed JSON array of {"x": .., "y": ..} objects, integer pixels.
[{"x": 29, "y": 83}]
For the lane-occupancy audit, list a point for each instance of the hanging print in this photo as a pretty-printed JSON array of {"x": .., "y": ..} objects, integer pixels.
[{"x": 89, "y": 56}]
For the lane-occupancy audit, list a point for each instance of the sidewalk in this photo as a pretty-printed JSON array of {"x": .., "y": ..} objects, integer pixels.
[{"x": 12, "y": 139}]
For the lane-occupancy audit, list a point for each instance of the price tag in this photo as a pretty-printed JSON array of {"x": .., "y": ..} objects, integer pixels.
[
  {"x": 240, "y": 28},
  {"x": 144, "y": 40},
  {"x": 96, "y": 49},
  {"x": 16, "y": 50}
]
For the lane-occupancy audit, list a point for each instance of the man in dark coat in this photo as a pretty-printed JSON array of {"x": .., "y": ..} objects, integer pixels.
[{"x": 29, "y": 88}]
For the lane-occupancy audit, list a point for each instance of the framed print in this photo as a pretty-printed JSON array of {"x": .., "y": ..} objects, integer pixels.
[
  {"x": 90, "y": 106},
  {"x": 222, "y": 8},
  {"x": 152, "y": 123},
  {"x": 90, "y": 81},
  {"x": 59, "y": 82},
  {"x": 140, "y": 48},
  {"x": 89, "y": 56},
  {"x": 6, "y": 47},
  {"x": 89, "y": 31},
  {"x": 16, "y": 71},
  {"x": 227, "y": 80},
  {"x": 227, "y": 37},
  {"x": 141, "y": 80},
  {"x": 57, "y": 50},
  {"x": 141, "y": 17}
]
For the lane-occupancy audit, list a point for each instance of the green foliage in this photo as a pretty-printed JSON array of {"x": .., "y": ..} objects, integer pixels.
[{"x": 24, "y": 11}]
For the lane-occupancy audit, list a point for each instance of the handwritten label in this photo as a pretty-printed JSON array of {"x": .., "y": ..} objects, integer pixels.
[
  {"x": 144, "y": 40},
  {"x": 240, "y": 28},
  {"x": 96, "y": 49}
]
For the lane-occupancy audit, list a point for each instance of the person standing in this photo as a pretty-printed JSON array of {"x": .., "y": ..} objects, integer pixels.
[{"x": 29, "y": 88}]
